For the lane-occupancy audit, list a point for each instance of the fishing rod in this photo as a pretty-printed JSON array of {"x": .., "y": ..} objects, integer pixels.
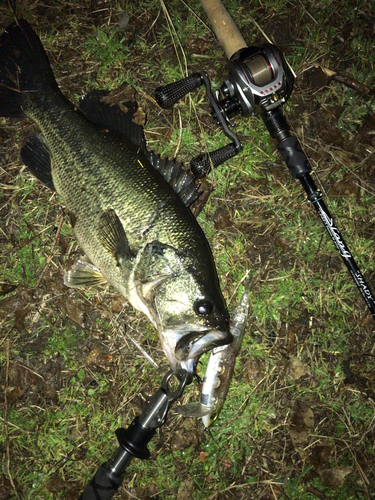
[
  {"x": 260, "y": 82},
  {"x": 133, "y": 441}
]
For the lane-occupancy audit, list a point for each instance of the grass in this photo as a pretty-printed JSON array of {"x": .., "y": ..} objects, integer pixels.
[{"x": 70, "y": 371}]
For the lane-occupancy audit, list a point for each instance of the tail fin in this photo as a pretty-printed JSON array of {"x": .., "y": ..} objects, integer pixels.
[{"x": 24, "y": 68}]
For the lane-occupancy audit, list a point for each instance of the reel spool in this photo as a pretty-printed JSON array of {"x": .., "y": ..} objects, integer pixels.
[{"x": 260, "y": 79}]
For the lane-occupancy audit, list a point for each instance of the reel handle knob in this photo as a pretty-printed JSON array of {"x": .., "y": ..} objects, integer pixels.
[
  {"x": 167, "y": 95},
  {"x": 202, "y": 165}
]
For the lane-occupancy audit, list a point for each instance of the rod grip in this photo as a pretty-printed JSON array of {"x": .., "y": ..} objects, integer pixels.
[
  {"x": 103, "y": 485},
  {"x": 202, "y": 165},
  {"x": 224, "y": 27},
  {"x": 295, "y": 159},
  {"x": 167, "y": 95}
]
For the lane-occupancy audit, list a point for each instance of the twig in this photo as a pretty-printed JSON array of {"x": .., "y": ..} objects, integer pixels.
[
  {"x": 315, "y": 492},
  {"x": 51, "y": 255},
  {"x": 243, "y": 485},
  {"x": 6, "y": 421},
  {"x": 348, "y": 81}
]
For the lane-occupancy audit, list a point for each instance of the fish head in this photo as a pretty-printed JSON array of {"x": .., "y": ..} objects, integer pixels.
[{"x": 185, "y": 304}]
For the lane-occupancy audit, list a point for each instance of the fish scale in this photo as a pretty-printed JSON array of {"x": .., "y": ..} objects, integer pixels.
[{"x": 135, "y": 230}]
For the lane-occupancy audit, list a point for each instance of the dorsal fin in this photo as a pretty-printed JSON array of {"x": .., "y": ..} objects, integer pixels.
[{"x": 125, "y": 120}]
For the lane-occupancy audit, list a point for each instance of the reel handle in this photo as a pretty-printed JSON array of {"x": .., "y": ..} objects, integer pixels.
[
  {"x": 202, "y": 165},
  {"x": 167, "y": 95}
]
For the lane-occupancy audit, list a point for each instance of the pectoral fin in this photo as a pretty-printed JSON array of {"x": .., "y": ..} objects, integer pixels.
[
  {"x": 83, "y": 274},
  {"x": 113, "y": 238}
]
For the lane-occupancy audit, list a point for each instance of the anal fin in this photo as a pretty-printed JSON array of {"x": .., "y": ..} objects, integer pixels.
[
  {"x": 83, "y": 274},
  {"x": 36, "y": 156}
]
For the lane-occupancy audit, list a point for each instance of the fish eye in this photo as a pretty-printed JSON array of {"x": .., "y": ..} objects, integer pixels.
[{"x": 203, "y": 307}]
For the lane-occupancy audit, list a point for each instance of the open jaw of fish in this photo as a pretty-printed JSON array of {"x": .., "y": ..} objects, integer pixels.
[{"x": 128, "y": 207}]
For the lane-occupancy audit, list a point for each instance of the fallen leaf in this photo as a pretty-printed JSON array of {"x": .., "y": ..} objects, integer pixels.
[
  {"x": 182, "y": 440},
  {"x": 301, "y": 423},
  {"x": 99, "y": 359},
  {"x": 117, "y": 304},
  {"x": 71, "y": 309},
  {"x": 320, "y": 455},
  {"x": 13, "y": 393},
  {"x": 186, "y": 489},
  {"x": 335, "y": 477},
  {"x": 295, "y": 369},
  {"x": 202, "y": 456},
  {"x": 327, "y": 71}
]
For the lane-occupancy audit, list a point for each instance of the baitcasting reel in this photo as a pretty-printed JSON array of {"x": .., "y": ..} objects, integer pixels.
[{"x": 260, "y": 81}]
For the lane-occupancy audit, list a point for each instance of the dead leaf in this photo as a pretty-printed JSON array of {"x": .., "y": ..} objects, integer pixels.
[
  {"x": 186, "y": 489},
  {"x": 13, "y": 393},
  {"x": 320, "y": 455},
  {"x": 347, "y": 187},
  {"x": 335, "y": 477},
  {"x": 327, "y": 71},
  {"x": 301, "y": 424},
  {"x": 71, "y": 309},
  {"x": 117, "y": 304},
  {"x": 295, "y": 369},
  {"x": 99, "y": 359},
  {"x": 202, "y": 456},
  {"x": 182, "y": 440}
]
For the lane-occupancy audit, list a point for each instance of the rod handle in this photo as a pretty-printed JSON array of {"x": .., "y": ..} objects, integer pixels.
[
  {"x": 202, "y": 165},
  {"x": 167, "y": 95},
  {"x": 103, "y": 485},
  {"x": 224, "y": 27}
]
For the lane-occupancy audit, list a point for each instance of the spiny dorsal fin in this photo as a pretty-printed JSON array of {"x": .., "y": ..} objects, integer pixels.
[
  {"x": 125, "y": 120},
  {"x": 82, "y": 274},
  {"x": 36, "y": 156},
  {"x": 113, "y": 238}
]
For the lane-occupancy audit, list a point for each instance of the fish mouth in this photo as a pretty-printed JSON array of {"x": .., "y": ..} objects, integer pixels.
[{"x": 194, "y": 344}]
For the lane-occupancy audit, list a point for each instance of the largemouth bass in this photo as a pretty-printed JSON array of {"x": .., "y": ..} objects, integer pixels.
[
  {"x": 220, "y": 367},
  {"x": 135, "y": 229}
]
